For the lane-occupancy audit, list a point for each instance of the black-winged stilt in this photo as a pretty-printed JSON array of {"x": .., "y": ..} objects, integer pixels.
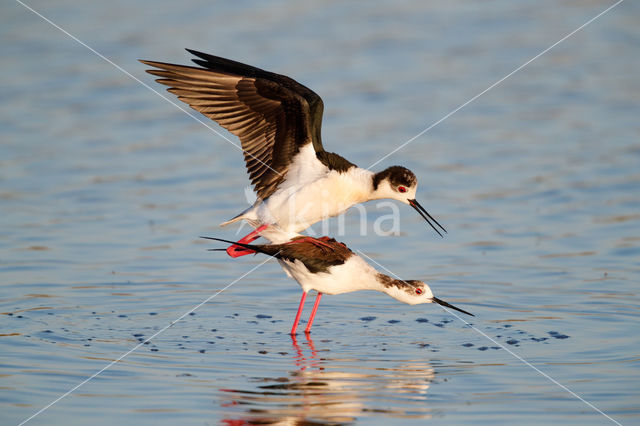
[
  {"x": 329, "y": 267},
  {"x": 278, "y": 122}
]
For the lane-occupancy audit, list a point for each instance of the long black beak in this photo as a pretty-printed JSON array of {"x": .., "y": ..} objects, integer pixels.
[
  {"x": 416, "y": 205},
  {"x": 443, "y": 303}
]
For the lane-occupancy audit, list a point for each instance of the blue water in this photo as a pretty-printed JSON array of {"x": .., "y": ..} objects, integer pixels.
[{"x": 105, "y": 188}]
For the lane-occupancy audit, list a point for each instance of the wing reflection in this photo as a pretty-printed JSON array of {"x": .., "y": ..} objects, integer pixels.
[{"x": 322, "y": 390}]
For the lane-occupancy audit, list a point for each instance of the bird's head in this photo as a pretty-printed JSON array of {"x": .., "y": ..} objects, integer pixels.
[
  {"x": 399, "y": 183},
  {"x": 395, "y": 182},
  {"x": 412, "y": 292}
]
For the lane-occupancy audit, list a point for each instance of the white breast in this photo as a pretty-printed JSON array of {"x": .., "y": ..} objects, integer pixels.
[{"x": 312, "y": 192}]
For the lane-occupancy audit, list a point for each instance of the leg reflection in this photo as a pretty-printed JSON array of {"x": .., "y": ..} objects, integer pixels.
[{"x": 303, "y": 362}]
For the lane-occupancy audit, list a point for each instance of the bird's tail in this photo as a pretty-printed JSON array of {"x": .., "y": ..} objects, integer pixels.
[
  {"x": 233, "y": 219},
  {"x": 268, "y": 249},
  {"x": 243, "y": 215}
]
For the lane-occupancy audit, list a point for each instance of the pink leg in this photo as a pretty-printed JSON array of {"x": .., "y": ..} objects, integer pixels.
[
  {"x": 297, "y": 320},
  {"x": 237, "y": 251},
  {"x": 313, "y": 313}
]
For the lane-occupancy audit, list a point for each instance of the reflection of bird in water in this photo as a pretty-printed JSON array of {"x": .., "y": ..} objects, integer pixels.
[
  {"x": 328, "y": 266},
  {"x": 323, "y": 390}
]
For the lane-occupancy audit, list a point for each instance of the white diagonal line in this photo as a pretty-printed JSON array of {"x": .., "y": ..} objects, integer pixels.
[
  {"x": 515, "y": 355},
  {"x": 496, "y": 83},
  {"x": 180, "y": 107},
  {"x": 534, "y": 367},
  {"x": 121, "y": 357}
]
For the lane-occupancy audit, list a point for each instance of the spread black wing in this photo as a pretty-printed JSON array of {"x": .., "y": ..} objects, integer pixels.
[{"x": 273, "y": 115}]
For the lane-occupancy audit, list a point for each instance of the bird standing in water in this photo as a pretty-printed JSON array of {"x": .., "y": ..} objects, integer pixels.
[{"x": 329, "y": 267}]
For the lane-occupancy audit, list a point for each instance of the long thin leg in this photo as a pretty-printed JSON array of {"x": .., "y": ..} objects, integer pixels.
[
  {"x": 313, "y": 313},
  {"x": 297, "y": 320},
  {"x": 237, "y": 251}
]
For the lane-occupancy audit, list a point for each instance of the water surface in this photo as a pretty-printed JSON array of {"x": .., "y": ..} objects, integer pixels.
[{"x": 105, "y": 188}]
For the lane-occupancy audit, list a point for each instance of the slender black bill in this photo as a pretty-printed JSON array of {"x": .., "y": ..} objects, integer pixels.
[
  {"x": 416, "y": 205},
  {"x": 443, "y": 303}
]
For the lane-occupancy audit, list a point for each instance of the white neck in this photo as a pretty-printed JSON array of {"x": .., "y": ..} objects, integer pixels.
[{"x": 361, "y": 183}]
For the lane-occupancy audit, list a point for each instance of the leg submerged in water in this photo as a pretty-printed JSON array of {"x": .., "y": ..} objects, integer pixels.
[
  {"x": 313, "y": 313},
  {"x": 300, "y": 308}
]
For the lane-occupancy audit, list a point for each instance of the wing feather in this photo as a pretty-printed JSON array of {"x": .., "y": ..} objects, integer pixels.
[{"x": 272, "y": 115}]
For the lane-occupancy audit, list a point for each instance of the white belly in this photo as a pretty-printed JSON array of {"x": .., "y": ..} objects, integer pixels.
[
  {"x": 296, "y": 208},
  {"x": 355, "y": 274},
  {"x": 311, "y": 193}
]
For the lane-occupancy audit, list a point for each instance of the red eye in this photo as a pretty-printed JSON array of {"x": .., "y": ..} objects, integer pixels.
[
  {"x": 402, "y": 189},
  {"x": 418, "y": 291}
]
